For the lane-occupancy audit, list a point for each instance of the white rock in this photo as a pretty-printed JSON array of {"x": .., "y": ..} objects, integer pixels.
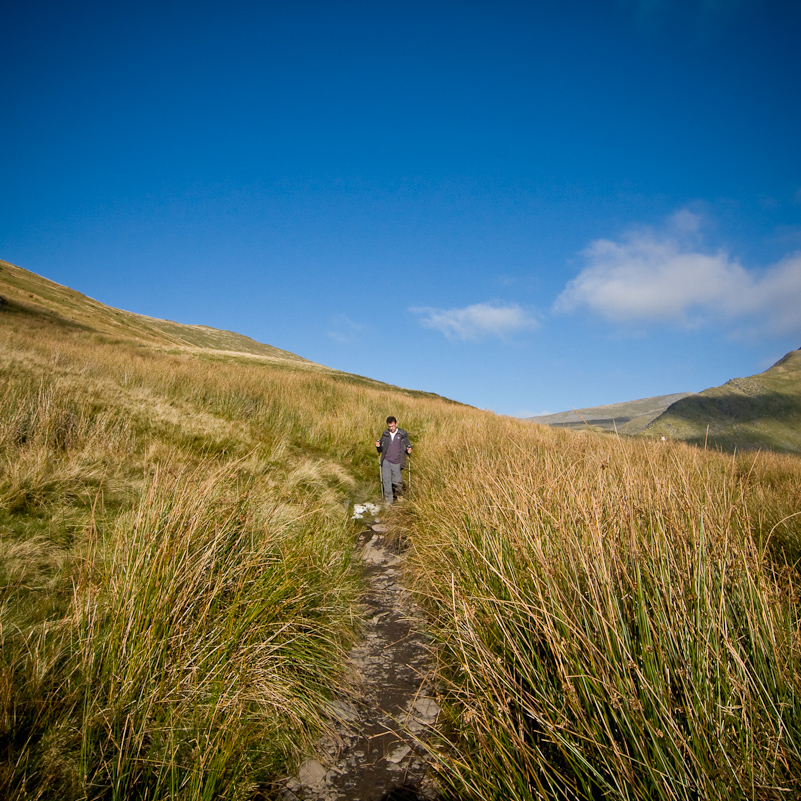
[
  {"x": 400, "y": 753},
  {"x": 311, "y": 773},
  {"x": 427, "y": 708}
]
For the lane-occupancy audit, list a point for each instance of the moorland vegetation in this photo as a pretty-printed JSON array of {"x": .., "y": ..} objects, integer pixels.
[
  {"x": 616, "y": 619},
  {"x": 612, "y": 618}
]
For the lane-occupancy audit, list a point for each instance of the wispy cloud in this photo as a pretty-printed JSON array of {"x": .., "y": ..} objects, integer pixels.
[
  {"x": 652, "y": 276},
  {"x": 477, "y": 321},
  {"x": 344, "y": 330},
  {"x": 526, "y": 413}
]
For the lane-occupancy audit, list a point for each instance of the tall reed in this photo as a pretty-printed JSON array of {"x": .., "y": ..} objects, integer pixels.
[
  {"x": 201, "y": 644},
  {"x": 610, "y": 622}
]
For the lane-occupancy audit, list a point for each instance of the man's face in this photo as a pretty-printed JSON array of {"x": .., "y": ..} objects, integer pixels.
[{"x": 393, "y": 427}]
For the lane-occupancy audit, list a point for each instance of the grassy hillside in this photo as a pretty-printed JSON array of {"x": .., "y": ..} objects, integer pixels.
[
  {"x": 25, "y": 293},
  {"x": 630, "y": 417},
  {"x": 613, "y": 618},
  {"x": 761, "y": 411},
  {"x": 176, "y": 587}
]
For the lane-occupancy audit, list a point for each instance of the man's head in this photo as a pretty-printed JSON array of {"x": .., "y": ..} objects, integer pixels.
[{"x": 392, "y": 424}]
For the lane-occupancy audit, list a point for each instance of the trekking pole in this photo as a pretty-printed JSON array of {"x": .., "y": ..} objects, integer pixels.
[
  {"x": 409, "y": 461},
  {"x": 380, "y": 478}
]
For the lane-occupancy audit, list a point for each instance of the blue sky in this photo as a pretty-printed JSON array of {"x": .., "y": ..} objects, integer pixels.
[{"x": 524, "y": 206}]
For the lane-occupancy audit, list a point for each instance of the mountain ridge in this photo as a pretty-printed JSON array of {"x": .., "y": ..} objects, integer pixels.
[
  {"x": 750, "y": 413},
  {"x": 762, "y": 411},
  {"x": 21, "y": 286},
  {"x": 628, "y": 417}
]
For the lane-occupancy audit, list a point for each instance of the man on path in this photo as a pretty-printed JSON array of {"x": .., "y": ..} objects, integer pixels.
[{"x": 393, "y": 447}]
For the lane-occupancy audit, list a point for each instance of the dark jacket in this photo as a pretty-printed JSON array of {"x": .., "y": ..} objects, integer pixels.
[{"x": 385, "y": 444}]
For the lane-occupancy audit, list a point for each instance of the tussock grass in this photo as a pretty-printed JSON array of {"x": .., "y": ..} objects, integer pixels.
[
  {"x": 207, "y": 635},
  {"x": 176, "y": 592},
  {"x": 611, "y": 619},
  {"x": 614, "y": 619}
]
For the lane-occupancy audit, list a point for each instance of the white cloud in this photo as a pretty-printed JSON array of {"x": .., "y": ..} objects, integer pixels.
[
  {"x": 344, "y": 330},
  {"x": 686, "y": 222},
  {"x": 776, "y": 296},
  {"x": 650, "y": 276},
  {"x": 477, "y": 321}
]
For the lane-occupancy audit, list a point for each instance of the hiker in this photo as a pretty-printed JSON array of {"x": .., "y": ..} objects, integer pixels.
[{"x": 392, "y": 448}]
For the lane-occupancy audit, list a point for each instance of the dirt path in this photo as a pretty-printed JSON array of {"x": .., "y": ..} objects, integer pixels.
[{"x": 377, "y": 755}]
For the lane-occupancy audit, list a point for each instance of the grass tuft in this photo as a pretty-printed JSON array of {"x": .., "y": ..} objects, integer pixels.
[{"x": 610, "y": 618}]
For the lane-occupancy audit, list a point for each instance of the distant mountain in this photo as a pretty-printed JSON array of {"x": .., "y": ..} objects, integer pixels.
[
  {"x": 627, "y": 418},
  {"x": 759, "y": 412}
]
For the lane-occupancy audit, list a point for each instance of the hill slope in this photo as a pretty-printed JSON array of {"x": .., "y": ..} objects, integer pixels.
[
  {"x": 32, "y": 300},
  {"x": 26, "y": 293},
  {"x": 761, "y": 411},
  {"x": 627, "y": 418},
  {"x": 175, "y": 550},
  {"x": 178, "y": 596}
]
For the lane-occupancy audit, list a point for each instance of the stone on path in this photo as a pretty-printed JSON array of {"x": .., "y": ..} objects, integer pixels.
[
  {"x": 344, "y": 710},
  {"x": 311, "y": 773},
  {"x": 399, "y": 754},
  {"x": 427, "y": 708},
  {"x": 375, "y": 554}
]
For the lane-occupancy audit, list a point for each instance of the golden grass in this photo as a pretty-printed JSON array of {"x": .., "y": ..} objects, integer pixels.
[
  {"x": 612, "y": 621},
  {"x": 615, "y": 619},
  {"x": 177, "y": 595}
]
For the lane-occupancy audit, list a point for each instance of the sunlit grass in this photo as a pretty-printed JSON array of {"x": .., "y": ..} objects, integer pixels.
[
  {"x": 176, "y": 587},
  {"x": 610, "y": 619},
  {"x": 614, "y": 619}
]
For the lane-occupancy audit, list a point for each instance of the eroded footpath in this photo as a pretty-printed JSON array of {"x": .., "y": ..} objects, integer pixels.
[{"x": 377, "y": 753}]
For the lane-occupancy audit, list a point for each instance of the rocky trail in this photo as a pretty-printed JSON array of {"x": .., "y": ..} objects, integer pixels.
[{"x": 377, "y": 753}]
